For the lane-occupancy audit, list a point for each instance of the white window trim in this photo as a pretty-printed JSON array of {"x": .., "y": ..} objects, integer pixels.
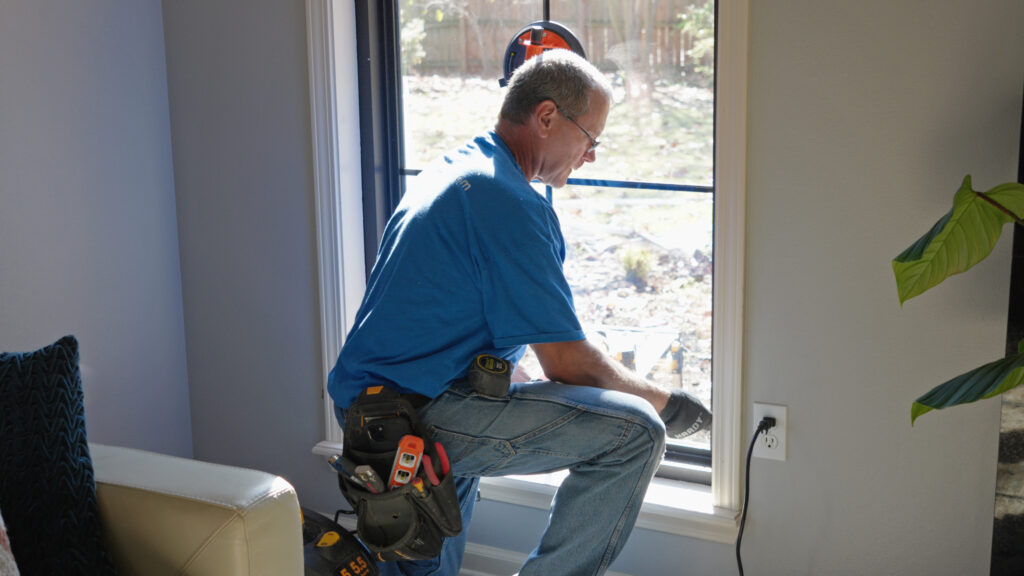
[
  {"x": 337, "y": 182},
  {"x": 672, "y": 506},
  {"x": 730, "y": 238}
]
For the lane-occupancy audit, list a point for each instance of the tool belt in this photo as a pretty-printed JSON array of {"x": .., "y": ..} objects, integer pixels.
[{"x": 396, "y": 478}]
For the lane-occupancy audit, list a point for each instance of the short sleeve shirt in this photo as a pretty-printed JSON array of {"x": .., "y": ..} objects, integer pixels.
[{"x": 470, "y": 263}]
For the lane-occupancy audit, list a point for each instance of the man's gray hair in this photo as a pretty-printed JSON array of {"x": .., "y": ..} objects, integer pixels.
[{"x": 558, "y": 75}]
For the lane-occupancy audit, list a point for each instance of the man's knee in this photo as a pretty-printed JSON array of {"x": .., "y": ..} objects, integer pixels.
[
  {"x": 650, "y": 425},
  {"x": 658, "y": 436}
]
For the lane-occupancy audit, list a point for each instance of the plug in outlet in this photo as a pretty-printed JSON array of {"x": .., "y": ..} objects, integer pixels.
[{"x": 771, "y": 444}]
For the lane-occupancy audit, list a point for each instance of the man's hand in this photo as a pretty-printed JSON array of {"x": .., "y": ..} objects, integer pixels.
[{"x": 684, "y": 415}]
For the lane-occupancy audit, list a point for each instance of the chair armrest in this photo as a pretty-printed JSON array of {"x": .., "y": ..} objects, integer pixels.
[{"x": 168, "y": 515}]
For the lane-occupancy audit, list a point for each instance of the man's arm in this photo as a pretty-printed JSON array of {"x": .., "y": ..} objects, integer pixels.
[{"x": 583, "y": 364}]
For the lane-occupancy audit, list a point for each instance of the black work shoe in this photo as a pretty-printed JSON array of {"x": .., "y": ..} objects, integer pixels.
[{"x": 684, "y": 415}]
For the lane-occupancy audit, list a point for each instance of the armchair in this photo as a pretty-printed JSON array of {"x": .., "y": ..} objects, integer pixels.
[{"x": 167, "y": 515}]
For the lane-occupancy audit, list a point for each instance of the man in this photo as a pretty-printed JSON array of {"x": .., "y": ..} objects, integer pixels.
[{"x": 471, "y": 263}]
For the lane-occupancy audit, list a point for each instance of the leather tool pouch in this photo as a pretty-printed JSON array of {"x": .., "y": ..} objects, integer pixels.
[{"x": 410, "y": 521}]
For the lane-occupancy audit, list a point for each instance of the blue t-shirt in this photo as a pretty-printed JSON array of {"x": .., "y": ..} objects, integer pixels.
[{"x": 470, "y": 263}]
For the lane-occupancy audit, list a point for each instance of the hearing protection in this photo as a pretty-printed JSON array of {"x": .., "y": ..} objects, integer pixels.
[{"x": 536, "y": 39}]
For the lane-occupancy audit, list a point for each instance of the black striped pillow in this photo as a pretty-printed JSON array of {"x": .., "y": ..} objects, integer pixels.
[{"x": 47, "y": 488}]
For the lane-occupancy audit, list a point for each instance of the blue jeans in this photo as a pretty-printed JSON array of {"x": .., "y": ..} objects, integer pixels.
[{"x": 610, "y": 442}]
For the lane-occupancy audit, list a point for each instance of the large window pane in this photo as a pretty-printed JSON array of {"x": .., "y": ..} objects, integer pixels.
[
  {"x": 639, "y": 263},
  {"x": 639, "y": 256}
]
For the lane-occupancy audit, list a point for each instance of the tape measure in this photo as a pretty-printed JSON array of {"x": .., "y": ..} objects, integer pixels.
[
  {"x": 490, "y": 375},
  {"x": 535, "y": 39}
]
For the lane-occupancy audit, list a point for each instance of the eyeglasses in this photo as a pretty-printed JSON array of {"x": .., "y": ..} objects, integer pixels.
[{"x": 594, "y": 142}]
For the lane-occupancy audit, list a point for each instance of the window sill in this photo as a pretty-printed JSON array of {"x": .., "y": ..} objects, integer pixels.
[{"x": 671, "y": 506}]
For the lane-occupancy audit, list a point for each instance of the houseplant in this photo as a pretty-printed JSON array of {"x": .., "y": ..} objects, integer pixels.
[{"x": 962, "y": 238}]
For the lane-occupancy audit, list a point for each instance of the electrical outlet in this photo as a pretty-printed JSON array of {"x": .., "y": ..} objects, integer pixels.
[{"x": 771, "y": 444}]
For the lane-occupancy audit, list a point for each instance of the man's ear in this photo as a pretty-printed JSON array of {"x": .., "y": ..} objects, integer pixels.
[{"x": 543, "y": 117}]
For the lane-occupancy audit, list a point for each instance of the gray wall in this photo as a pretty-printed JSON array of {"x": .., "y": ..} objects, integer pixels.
[
  {"x": 864, "y": 118},
  {"x": 240, "y": 115},
  {"x": 88, "y": 236}
]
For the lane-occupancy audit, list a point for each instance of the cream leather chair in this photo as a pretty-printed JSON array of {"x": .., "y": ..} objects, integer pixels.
[{"x": 167, "y": 515}]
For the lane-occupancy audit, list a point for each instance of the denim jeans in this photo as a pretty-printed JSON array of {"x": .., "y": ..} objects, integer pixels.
[{"x": 610, "y": 442}]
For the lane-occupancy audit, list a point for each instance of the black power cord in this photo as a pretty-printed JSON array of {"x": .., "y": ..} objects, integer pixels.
[{"x": 766, "y": 424}]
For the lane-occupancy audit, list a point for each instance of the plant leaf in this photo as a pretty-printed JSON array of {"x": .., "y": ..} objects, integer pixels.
[
  {"x": 961, "y": 239},
  {"x": 1011, "y": 196},
  {"x": 983, "y": 382}
]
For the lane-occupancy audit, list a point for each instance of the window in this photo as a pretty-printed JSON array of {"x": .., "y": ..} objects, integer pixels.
[
  {"x": 644, "y": 224},
  {"x": 638, "y": 222}
]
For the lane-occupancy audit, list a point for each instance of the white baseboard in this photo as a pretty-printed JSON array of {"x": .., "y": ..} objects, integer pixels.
[{"x": 481, "y": 560}]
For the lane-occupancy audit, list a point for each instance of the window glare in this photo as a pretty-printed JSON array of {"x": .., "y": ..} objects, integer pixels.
[{"x": 659, "y": 58}]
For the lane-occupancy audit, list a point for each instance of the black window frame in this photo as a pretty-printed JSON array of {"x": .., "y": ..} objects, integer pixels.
[{"x": 380, "y": 117}]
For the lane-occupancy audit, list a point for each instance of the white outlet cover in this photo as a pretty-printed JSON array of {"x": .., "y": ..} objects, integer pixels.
[{"x": 780, "y": 413}]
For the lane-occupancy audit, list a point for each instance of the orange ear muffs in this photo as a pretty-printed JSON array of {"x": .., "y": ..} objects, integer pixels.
[{"x": 535, "y": 39}]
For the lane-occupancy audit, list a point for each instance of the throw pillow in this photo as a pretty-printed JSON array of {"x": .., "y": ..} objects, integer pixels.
[
  {"x": 7, "y": 565},
  {"x": 47, "y": 487}
]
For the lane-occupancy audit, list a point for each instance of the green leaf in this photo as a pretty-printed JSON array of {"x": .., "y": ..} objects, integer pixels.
[
  {"x": 958, "y": 241},
  {"x": 1011, "y": 196},
  {"x": 983, "y": 382}
]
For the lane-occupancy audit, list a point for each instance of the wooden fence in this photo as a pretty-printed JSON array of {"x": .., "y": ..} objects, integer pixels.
[{"x": 470, "y": 36}]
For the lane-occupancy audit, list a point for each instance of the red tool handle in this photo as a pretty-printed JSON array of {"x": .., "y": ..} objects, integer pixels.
[
  {"x": 428, "y": 465},
  {"x": 428, "y": 469},
  {"x": 446, "y": 466}
]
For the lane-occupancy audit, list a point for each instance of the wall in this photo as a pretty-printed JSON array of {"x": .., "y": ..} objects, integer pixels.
[
  {"x": 88, "y": 237},
  {"x": 864, "y": 116},
  {"x": 240, "y": 116}
]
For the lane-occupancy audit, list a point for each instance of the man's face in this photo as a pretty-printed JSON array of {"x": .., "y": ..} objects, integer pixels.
[{"x": 570, "y": 146}]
